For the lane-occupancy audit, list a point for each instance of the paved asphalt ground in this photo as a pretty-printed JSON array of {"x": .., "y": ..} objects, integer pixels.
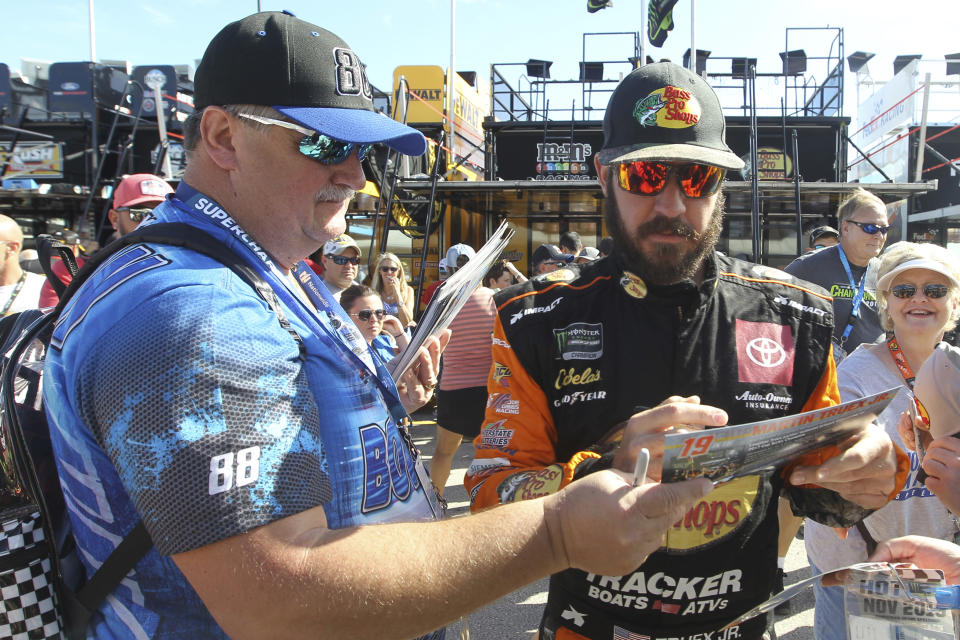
[{"x": 516, "y": 615}]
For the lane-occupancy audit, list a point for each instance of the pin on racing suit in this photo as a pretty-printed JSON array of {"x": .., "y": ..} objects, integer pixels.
[{"x": 580, "y": 350}]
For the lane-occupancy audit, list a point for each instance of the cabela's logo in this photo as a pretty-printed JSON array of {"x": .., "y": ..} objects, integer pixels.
[
  {"x": 669, "y": 107},
  {"x": 567, "y": 377}
]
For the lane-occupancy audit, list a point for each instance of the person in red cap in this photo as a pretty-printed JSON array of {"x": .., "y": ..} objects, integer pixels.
[{"x": 133, "y": 200}]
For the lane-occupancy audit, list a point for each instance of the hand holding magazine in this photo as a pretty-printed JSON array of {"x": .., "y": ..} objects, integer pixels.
[
  {"x": 450, "y": 298},
  {"x": 725, "y": 453}
]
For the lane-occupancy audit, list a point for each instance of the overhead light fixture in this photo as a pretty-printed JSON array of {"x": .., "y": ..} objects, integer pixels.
[
  {"x": 953, "y": 63},
  {"x": 902, "y": 61},
  {"x": 591, "y": 72},
  {"x": 538, "y": 68},
  {"x": 794, "y": 62},
  {"x": 740, "y": 66},
  {"x": 858, "y": 59},
  {"x": 702, "y": 56}
]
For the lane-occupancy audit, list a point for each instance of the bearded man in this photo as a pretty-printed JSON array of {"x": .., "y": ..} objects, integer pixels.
[{"x": 582, "y": 353}]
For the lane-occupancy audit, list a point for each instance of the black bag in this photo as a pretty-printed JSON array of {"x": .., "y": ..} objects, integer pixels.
[{"x": 42, "y": 589}]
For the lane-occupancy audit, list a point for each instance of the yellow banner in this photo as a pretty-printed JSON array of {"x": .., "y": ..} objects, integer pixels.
[
  {"x": 33, "y": 160},
  {"x": 426, "y": 82}
]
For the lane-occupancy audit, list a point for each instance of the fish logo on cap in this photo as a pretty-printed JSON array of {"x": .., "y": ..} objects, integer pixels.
[{"x": 669, "y": 107}]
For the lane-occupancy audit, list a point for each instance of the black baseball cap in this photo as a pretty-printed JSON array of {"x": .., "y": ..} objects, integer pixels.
[
  {"x": 819, "y": 232},
  {"x": 664, "y": 112},
  {"x": 303, "y": 71},
  {"x": 549, "y": 252}
]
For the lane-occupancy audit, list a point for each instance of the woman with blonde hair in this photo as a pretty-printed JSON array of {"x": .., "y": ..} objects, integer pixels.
[
  {"x": 918, "y": 296},
  {"x": 390, "y": 283}
]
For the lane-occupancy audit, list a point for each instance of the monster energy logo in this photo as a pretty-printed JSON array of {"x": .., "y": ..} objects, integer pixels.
[{"x": 579, "y": 341}]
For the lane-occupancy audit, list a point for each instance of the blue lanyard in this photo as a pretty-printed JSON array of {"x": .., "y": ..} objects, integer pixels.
[
  {"x": 330, "y": 319},
  {"x": 858, "y": 297}
]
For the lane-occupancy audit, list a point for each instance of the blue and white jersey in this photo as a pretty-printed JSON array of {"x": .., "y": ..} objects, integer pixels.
[{"x": 175, "y": 396}]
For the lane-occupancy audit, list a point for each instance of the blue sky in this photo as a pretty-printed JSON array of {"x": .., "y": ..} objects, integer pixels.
[{"x": 386, "y": 33}]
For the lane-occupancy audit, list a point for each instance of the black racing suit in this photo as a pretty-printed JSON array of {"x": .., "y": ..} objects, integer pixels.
[{"x": 582, "y": 349}]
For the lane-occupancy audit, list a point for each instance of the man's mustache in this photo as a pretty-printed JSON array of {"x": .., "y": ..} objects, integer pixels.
[
  {"x": 665, "y": 225},
  {"x": 333, "y": 193}
]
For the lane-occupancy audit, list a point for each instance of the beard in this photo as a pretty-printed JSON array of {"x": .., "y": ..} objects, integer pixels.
[{"x": 665, "y": 263}]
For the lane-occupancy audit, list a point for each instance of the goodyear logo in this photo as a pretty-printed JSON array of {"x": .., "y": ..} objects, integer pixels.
[{"x": 669, "y": 107}]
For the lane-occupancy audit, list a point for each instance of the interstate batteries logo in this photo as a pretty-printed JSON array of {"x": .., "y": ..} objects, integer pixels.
[
  {"x": 669, "y": 107},
  {"x": 579, "y": 341}
]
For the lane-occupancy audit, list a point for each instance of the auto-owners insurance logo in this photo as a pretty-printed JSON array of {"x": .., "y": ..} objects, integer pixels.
[{"x": 579, "y": 341}]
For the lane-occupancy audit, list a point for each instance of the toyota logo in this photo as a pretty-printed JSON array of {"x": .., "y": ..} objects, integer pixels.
[{"x": 765, "y": 352}]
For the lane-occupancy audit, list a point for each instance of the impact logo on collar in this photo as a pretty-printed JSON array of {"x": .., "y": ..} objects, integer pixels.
[
  {"x": 793, "y": 304},
  {"x": 579, "y": 341},
  {"x": 669, "y": 107},
  {"x": 765, "y": 352},
  {"x": 532, "y": 310}
]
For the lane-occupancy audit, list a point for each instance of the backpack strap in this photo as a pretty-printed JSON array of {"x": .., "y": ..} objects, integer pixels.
[
  {"x": 78, "y": 607},
  {"x": 46, "y": 247}
]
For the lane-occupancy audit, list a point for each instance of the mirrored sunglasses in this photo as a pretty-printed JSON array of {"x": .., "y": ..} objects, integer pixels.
[
  {"x": 342, "y": 260},
  {"x": 870, "y": 228},
  {"x": 137, "y": 214},
  {"x": 386, "y": 269},
  {"x": 649, "y": 178},
  {"x": 366, "y": 314},
  {"x": 317, "y": 146},
  {"x": 929, "y": 290}
]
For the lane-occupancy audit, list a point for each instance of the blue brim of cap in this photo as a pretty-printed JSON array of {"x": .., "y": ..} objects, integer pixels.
[{"x": 358, "y": 125}]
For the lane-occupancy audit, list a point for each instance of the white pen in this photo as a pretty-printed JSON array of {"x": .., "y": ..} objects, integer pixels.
[{"x": 640, "y": 471}]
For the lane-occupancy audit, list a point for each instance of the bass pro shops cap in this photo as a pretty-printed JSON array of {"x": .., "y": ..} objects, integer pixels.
[
  {"x": 663, "y": 112},
  {"x": 303, "y": 71}
]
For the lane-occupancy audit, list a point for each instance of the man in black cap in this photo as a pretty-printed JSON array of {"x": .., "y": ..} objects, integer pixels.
[
  {"x": 823, "y": 237},
  {"x": 580, "y": 354},
  {"x": 256, "y": 459},
  {"x": 548, "y": 258}
]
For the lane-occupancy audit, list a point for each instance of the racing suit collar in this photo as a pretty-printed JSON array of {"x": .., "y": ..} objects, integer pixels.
[{"x": 685, "y": 293}]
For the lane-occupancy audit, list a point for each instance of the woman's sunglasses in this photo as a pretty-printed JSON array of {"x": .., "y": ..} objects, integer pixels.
[
  {"x": 342, "y": 260},
  {"x": 389, "y": 269},
  {"x": 929, "y": 290},
  {"x": 649, "y": 178},
  {"x": 366, "y": 314},
  {"x": 315, "y": 145}
]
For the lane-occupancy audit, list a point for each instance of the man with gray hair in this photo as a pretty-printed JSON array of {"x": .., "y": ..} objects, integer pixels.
[{"x": 848, "y": 270}]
